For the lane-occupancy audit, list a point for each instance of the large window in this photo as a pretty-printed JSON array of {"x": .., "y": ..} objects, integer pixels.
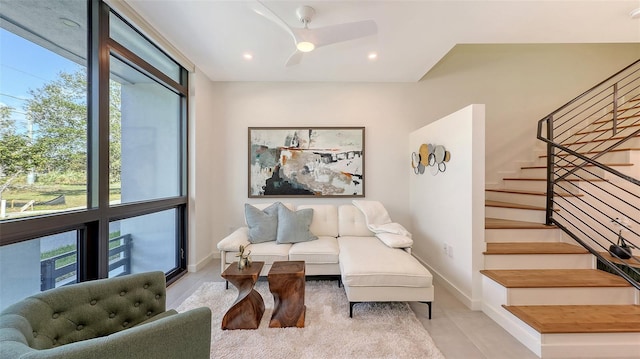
[{"x": 92, "y": 148}]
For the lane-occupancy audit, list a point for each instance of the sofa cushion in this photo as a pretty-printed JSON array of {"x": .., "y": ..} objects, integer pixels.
[
  {"x": 293, "y": 226},
  {"x": 324, "y": 250},
  {"x": 325, "y": 219},
  {"x": 268, "y": 252},
  {"x": 263, "y": 224},
  {"x": 367, "y": 262},
  {"x": 352, "y": 222}
]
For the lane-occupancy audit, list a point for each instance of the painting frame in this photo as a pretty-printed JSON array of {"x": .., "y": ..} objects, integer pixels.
[{"x": 306, "y": 162}]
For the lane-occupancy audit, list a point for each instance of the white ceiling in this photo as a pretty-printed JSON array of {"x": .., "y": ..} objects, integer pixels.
[{"x": 412, "y": 35}]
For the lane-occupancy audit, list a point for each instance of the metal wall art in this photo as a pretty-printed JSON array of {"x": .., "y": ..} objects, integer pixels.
[{"x": 432, "y": 156}]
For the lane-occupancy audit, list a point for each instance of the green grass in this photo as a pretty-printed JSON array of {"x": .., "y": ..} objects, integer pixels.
[{"x": 75, "y": 196}]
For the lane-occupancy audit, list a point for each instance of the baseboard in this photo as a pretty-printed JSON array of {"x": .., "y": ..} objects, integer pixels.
[
  {"x": 201, "y": 264},
  {"x": 527, "y": 337},
  {"x": 455, "y": 291}
]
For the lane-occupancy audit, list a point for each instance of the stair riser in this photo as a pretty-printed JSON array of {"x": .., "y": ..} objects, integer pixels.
[
  {"x": 530, "y": 200},
  {"x": 602, "y": 145},
  {"x": 537, "y": 186},
  {"x": 590, "y": 345},
  {"x": 587, "y": 173},
  {"x": 611, "y": 157},
  {"x": 538, "y": 261},
  {"x": 604, "y": 132},
  {"x": 570, "y": 296},
  {"x": 522, "y": 235},
  {"x": 513, "y": 214}
]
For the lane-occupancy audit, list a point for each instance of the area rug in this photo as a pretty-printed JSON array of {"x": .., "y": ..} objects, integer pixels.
[{"x": 377, "y": 330}]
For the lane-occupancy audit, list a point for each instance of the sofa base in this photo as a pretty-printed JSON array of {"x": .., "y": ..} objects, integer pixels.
[{"x": 351, "y": 304}]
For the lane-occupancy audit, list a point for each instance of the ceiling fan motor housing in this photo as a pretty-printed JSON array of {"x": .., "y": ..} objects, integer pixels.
[{"x": 305, "y": 13}]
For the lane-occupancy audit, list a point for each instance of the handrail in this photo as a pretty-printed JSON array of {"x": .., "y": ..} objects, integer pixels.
[
  {"x": 579, "y": 135},
  {"x": 50, "y": 274}
]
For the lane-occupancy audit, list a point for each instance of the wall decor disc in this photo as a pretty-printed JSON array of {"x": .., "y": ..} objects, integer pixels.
[
  {"x": 434, "y": 170},
  {"x": 439, "y": 152},
  {"x": 447, "y": 156},
  {"x": 420, "y": 168},
  {"x": 424, "y": 154},
  {"x": 415, "y": 159}
]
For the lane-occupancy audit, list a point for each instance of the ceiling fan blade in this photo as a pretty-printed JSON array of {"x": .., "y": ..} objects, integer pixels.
[
  {"x": 260, "y": 9},
  {"x": 328, "y": 35},
  {"x": 295, "y": 58}
]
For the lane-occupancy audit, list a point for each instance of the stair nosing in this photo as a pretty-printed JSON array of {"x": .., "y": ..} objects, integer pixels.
[{"x": 494, "y": 274}]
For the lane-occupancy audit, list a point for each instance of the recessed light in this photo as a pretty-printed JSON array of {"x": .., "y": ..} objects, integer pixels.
[
  {"x": 69, "y": 22},
  {"x": 372, "y": 55},
  {"x": 635, "y": 13},
  {"x": 247, "y": 56}
]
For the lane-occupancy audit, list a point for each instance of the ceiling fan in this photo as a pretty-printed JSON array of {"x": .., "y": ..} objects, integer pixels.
[{"x": 307, "y": 40}]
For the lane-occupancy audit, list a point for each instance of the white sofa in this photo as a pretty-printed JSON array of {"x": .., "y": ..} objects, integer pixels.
[{"x": 370, "y": 270}]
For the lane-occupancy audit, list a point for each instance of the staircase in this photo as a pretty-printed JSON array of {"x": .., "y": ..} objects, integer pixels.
[{"x": 541, "y": 281}]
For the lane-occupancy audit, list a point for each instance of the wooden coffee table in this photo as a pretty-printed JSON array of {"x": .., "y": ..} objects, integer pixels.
[
  {"x": 286, "y": 282},
  {"x": 246, "y": 312}
]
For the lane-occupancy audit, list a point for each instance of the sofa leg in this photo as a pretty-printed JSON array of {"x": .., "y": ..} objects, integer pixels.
[
  {"x": 429, "y": 304},
  {"x": 226, "y": 284},
  {"x": 339, "y": 282},
  {"x": 351, "y": 308}
]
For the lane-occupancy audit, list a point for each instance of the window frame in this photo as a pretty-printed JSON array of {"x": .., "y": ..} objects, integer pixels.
[{"x": 93, "y": 222}]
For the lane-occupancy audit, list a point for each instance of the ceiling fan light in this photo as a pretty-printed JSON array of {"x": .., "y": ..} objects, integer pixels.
[{"x": 305, "y": 46}]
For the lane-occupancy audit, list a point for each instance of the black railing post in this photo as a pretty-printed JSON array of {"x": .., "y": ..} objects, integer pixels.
[
  {"x": 47, "y": 280},
  {"x": 127, "y": 253},
  {"x": 615, "y": 109},
  {"x": 549, "y": 207}
]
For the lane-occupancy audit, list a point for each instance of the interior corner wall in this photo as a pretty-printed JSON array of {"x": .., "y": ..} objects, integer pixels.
[
  {"x": 203, "y": 136},
  {"x": 519, "y": 84},
  {"x": 447, "y": 208}
]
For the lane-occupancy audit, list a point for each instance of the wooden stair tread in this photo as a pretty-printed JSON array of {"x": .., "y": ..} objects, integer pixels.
[
  {"x": 550, "y": 319},
  {"x": 597, "y": 140},
  {"x": 489, "y": 203},
  {"x": 544, "y": 179},
  {"x": 632, "y": 262},
  {"x": 554, "y": 278},
  {"x": 532, "y": 193},
  {"x": 534, "y": 248},
  {"x": 497, "y": 223},
  {"x": 594, "y": 152},
  {"x": 619, "y": 127},
  {"x": 589, "y": 165}
]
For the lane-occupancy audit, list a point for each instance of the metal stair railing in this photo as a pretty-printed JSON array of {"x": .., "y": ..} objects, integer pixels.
[{"x": 585, "y": 139}]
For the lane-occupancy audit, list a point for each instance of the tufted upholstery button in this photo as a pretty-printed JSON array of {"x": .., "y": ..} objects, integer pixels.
[
  {"x": 55, "y": 315},
  {"x": 146, "y": 286},
  {"x": 149, "y": 313},
  {"x": 54, "y": 341},
  {"x": 137, "y": 304},
  {"x": 123, "y": 293},
  {"x": 35, "y": 334},
  {"x": 112, "y": 315},
  {"x": 93, "y": 302},
  {"x": 80, "y": 327},
  {"x": 157, "y": 296},
  {"x": 125, "y": 324}
]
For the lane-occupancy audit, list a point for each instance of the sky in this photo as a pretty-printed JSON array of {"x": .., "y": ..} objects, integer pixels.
[{"x": 26, "y": 66}]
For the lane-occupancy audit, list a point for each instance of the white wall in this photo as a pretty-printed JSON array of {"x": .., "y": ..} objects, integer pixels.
[
  {"x": 519, "y": 84},
  {"x": 448, "y": 208},
  {"x": 204, "y": 183}
]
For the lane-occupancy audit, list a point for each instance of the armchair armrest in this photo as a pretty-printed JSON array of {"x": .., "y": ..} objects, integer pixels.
[
  {"x": 232, "y": 242},
  {"x": 182, "y": 335}
]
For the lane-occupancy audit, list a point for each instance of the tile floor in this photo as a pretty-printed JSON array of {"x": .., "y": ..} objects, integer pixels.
[{"x": 459, "y": 332}]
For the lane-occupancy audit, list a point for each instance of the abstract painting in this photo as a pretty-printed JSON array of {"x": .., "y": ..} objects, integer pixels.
[{"x": 306, "y": 161}]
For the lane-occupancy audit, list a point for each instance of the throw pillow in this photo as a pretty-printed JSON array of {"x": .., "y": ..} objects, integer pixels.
[
  {"x": 293, "y": 226},
  {"x": 263, "y": 225},
  {"x": 395, "y": 240}
]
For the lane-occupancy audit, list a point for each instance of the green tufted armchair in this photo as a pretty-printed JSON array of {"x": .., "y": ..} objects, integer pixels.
[{"x": 122, "y": 317}]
